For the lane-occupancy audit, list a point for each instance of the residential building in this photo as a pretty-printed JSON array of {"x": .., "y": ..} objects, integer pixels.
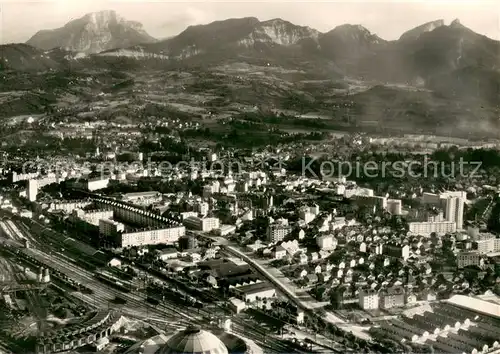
[
  {"x": 487, "y": 245},
  {"x": 452, "y": 202},
  {"x": 279, "y": 252},
  {"x": 395, "y": 206},
  {"x": 368, "y": 299},
  {"x": 201, "y": 224},
  {"x": 392, "y": 297},
  {"x": 96, "y": 184},
  {"x": 427, "y": 228},
  {"x": 327, "y": 242},
  {"x": 397, "y": 250},
  {"x": 144, "y": 237},
  {"x": 278, "y": 231},
  {"x": 465, "y": 259},
  {"x": 134, "y": 215},
  {"x": 225, "y": 230},
  {"x": 32, "y": 189},
  {"x": 203, "y": 208},
  {"x": 110, "y": 228},
  {"x": 142, "y": 198},
  {"x": 379, "y": 203}
]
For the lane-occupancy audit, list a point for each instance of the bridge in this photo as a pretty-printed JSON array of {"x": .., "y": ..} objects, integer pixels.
[{"x": 11, "y": 287}]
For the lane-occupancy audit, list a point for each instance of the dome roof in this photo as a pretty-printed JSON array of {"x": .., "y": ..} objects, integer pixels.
[
  {"x": 149, "y": 346},
  {"x": 193, "y": 340}
]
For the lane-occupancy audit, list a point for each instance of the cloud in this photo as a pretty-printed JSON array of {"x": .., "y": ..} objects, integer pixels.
[{"x": 178, "y": 21}]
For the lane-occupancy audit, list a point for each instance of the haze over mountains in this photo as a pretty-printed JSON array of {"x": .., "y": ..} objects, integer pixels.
[{"x": 452, "y": 61}]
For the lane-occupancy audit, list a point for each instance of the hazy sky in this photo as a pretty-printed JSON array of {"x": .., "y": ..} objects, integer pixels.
[{"x": 20, "y": 19}]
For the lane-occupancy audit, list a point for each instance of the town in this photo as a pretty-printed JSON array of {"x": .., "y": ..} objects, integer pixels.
[{"x": 240, "y": 245}]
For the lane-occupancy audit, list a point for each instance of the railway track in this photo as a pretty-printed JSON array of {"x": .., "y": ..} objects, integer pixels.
[{"x": 34, "y": 303}]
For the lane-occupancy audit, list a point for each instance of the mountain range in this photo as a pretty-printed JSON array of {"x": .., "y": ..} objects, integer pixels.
[{"x": 418, "y": 55}]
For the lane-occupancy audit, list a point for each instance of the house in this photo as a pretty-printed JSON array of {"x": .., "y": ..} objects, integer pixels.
[
  {"x": 279, "y": 252},
  {"x": 210, "y": 253},
  {"x": 428, "y": 295},
  {"x": 300, "y": 273},
  {"x": 327, "y": 267},
  {"x": 211, "y": 280},
  {"x": 338, "y": 273},
  {"x": 314, "y": 256},
  {"x": 427, "y": 269},
  {"x": 410, "y": 298},
  {"x": 115, "y": 262},
  {"x": 312, "y": 278},
  {"x": 236, "y": 304},
  {"x": 324, "y": 277},
  {"x": 303, "y": 258},
  {"x": 168, "y": 253},
  {"x": 317, "y": 269},
  {"x": 348, "y": 275},
  {"x": 195, "y": 257}
]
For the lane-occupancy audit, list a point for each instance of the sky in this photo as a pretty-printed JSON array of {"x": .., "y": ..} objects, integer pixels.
[{"x": 20, "y": 19}]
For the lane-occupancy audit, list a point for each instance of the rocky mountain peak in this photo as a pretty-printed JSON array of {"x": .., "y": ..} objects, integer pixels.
[
  {"x": 282, "y": 32},
  {"x": 93, "y": 33},
  {"x": 353, "y": 33},
  {"x": 103, "y": 17},
  {"x": 456, "y": 23},
  {"x": 418, "y": 31}
]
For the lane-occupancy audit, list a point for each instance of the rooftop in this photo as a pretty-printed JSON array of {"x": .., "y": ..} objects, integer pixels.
[{"x": 475, "y": 304}]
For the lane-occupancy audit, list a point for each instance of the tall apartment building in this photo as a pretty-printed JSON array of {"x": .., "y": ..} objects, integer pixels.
[
  {"x": 454, "y": 210},
  {"x": 32, "y": 189},
  {"x": 276, "y": 232},
  {"x": 110, "y": 228},
  {"x": 452, "y": 202}
]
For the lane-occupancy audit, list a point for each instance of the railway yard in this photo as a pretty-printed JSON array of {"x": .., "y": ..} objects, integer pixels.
[{"x": 79, "y": 285}]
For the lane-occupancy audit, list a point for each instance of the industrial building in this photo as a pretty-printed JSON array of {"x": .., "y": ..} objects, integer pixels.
[{"x": 462, "y": 324}]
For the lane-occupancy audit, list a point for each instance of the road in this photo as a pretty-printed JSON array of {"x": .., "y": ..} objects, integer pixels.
[{"x": 286, "y": 289}]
